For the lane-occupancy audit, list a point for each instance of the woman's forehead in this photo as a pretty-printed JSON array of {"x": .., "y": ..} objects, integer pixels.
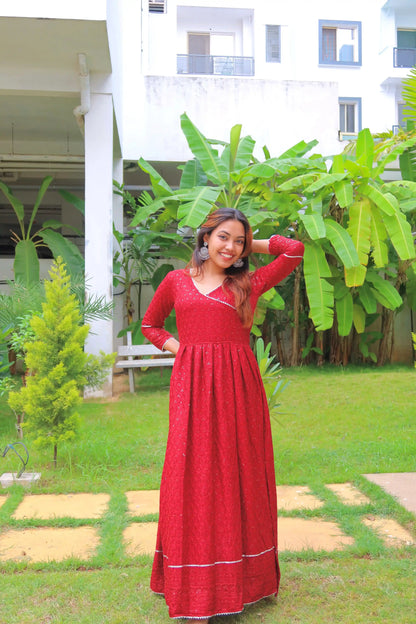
[{"x": 232, "y": 227}]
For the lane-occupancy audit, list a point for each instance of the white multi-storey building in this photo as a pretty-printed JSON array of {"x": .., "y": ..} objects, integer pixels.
[{"x": 87, "y": 88}]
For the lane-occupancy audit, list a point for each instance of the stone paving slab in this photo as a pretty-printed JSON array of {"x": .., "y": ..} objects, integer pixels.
[
  {"x": 140, "y": 538},
  {"x": 348, "y": 494},
  {"x": 401, "y": 485},
  {"x": 297, "y": 534},
  {"x": 143, "y": 502},
  {"x": 390, "y": 531},
  {"x": 49, "y": 506},
  {"x": 44, "y": 544},
  {"x": 291, "y": 497}
]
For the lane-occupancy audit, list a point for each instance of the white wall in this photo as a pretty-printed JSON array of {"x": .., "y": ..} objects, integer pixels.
[
  {"x": 276, "y": 114},
  {"x": 53, "y": 9}
]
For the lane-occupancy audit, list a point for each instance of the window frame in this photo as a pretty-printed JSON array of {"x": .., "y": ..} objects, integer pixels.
[
  {"x": 335, "y": 24},
  {"x": 344, "y": 135},
  {"x": 269, "y": 29}
]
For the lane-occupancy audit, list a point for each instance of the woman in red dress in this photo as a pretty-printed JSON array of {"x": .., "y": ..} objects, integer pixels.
[{"x": 216, "y": 548}]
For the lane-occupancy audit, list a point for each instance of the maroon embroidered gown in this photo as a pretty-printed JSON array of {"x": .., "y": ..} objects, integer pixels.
[{"x": 216, "y": 547}]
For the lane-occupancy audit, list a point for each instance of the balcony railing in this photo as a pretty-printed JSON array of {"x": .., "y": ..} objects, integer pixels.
[
  {"x": 215, "y": 65},
  {"x": 404, "y": 57}
]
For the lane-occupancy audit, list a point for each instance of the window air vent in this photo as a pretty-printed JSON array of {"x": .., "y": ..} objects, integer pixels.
[{"x": 157, "y": 6}]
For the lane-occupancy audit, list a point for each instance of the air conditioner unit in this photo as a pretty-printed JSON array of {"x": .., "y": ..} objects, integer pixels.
[{"x": 157, "y": 6}]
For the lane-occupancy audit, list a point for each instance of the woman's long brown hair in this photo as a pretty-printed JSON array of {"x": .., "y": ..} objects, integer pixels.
[{"x": 237, "y": 279}]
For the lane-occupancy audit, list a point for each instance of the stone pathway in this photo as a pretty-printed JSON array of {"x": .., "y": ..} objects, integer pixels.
[
  {"x": 295, "y": 534},
  {"x": 401, "y": 485}
]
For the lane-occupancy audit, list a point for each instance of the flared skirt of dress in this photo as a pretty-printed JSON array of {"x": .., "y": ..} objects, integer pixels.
[{"x": 217, "y": 538}]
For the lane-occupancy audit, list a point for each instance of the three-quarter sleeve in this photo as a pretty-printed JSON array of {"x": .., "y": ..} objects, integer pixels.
[
  {"x": 160, "y": 307},
  {"x": 289, "y": 254}
]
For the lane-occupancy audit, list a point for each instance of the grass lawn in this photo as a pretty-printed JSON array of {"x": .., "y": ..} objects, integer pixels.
[{"x": 335, "y": 425}]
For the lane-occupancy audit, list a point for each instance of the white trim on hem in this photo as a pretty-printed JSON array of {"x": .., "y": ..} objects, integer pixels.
[{"x": 208, "y": 565}]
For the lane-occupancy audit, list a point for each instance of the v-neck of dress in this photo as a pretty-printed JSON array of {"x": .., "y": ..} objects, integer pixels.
[{"x": 209, "y": 292}]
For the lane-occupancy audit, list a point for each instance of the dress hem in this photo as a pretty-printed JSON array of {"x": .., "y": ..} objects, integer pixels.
[{"x": 204, "y": 617}]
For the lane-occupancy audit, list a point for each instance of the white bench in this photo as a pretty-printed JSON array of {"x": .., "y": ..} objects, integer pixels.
[{"x": 136, "y": 356}]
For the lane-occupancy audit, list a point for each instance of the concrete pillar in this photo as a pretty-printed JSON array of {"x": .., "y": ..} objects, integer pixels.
[
  {"x": 119, "y": 225},
  {"x": 99, "y": 220}
]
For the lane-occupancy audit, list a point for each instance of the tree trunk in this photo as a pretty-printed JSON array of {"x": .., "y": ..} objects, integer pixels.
[
  {"x": 386, "y": 343},
  {"x": 281, "y": 355},
  {"x": 320, "y": 344},
  {"x": 55, "y": 455},
  {"x": 129, "y": 306},
  {"x": 295, "y": 356}
]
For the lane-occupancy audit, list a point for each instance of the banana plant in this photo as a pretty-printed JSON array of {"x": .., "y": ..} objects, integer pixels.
[
  {"x": 26, "y": 262},
  {"x": 350, "y": 220},
  {"x": 351, "y": 216}
]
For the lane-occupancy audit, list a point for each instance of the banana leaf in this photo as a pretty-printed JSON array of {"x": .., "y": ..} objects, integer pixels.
[
  {"x": 385, "y": 201},
  {"x": 16, "y": 205},
  {"x": 72, "y": 199},
  {"x": 409, "y": 94},
  {"x": 365, "y": 148},
  {"x": 160, "y": 187},
  {"x": 196, "y": 205},
  {"x": 384, "y": 291},
  {"x": 366, "y": 297},
  {"x": 239, "y": 153},
  {"x": 358, "y": 318},
  {"x": 300, "y": 149},
  {"x": 65, "y": 248},
  {"x": 342, "y": 243},
  {"x": 393, "y": 155},
  {"x": 359, "y": 228},
  {"x": 314, "y": 225},
  {"x": 378, "y": 238},
  {"x": 319, "y": 291},
  {"x": 400, "y": 234},
  {"x": 344, "y": 193},
  {"x": 355, "y": 276},
  {"x": 26, "y": 263},
  {"x": 300, "y": 181},
  {"x": 325, "y": 179},
  {"x": 144, "y": 212},
  {"x": 214, "y": 168},
  {"x": 192, "y": 175},
  {"x": 407, "y": 162},
  {"x": 42, "y": 190}
]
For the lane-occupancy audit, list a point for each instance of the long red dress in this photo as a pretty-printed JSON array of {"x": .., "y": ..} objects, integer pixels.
[{"x": 217, "y": 537}]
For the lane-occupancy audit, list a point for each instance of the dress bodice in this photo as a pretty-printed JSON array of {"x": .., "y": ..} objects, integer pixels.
[{"x": 212, "y": 317}]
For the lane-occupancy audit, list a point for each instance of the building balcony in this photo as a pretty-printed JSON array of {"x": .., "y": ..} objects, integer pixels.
[
  {"x": 215, "y": 65},
  {"x": 404, "y": 57}
]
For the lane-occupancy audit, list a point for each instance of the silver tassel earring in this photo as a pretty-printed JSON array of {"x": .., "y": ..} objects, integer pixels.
[
  {"x": 203, "y": 252},
  {"x": 238, "y": 263}
]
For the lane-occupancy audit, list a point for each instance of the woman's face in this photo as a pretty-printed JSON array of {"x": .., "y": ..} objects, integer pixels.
[{"x": 226, "y": 243}]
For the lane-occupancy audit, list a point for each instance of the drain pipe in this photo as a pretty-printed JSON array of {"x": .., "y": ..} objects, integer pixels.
[{"x": 84, "y": 79}]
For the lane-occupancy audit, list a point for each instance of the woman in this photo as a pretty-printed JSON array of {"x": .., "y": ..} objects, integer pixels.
[{"x": 217, "y": 538}]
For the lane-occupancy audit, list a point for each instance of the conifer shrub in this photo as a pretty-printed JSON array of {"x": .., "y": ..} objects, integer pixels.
[{"x": 58, "y": 366}]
